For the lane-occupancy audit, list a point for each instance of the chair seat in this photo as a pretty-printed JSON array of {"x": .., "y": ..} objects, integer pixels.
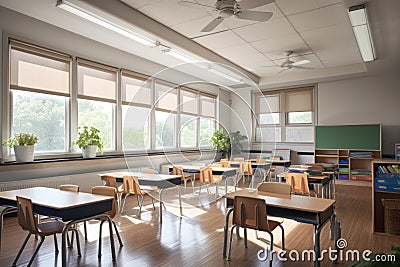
[
  {"x": 217, "y": 178},
  {"x": 50, "y": 228}
]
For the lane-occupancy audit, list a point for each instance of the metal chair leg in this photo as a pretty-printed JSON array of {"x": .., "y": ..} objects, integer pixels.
[
  {"x": 36, "y": 251},
  {"x": 121, "y": 210},
  {"x": 245, "y": 237},
  {"x": 78, "y": 243},
  {"x": 55, "y": 243},
  {"x": 85, "y": 229},
  {"x": 230, "y": 243},
  {"x": 283, "y": 236},
  {"x": 100, "y": 232},
  {"x": 119, "y": 237},
  {"x": 21, "y": 249},
  {"x": 152, "y": 202}
]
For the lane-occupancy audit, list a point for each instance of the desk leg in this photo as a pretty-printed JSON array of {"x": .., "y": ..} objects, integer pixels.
[
  {"x": 180, "y": 201},
  {"x": 226, "y": 231},
  {"x": 161, "y": 203},
  {"x": 338, "y": 235},
  {"x": 64, "y": 243},
  {"x": 317, "y": 246}
]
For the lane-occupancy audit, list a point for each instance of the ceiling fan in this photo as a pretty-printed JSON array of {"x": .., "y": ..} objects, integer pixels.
[
  {"x": 228, "y": 8},
  {"x": 288, "y": 64}
]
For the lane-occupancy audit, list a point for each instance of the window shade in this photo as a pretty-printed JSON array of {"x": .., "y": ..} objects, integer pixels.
[
  {"x": 136, "y": 90},
  {"x": 267, "y": 103},
  {"x": 166, "y": 96},
  {"x": 299, "y": 101},
  {"x": 207, "y": 105},
  {"x": 189, "y": 102},
  {"x": 94, "y": 82}
]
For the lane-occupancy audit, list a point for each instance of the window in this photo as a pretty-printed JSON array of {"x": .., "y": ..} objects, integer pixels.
[
  {"x": 285, "y": 116},
  {"x": 40, "y": 89},
  {"x": 207, "y": 120},
  {"x": 165, "y": 115},
  {"x": 189, "y": 106},
  {"x": 136, "y": 111},
  {"x": 97, "y": 98}
]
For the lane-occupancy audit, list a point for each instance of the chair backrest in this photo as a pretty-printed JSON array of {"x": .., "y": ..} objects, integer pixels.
[
  {"x": 246, "y": 168},
  {"x": 298, "y": 183},
  {"x": 131, "y": 185},
  {"x": 206, "y": 175},
  {"x": 238, "y": 159},
  {"x": 271, "y": 187},
  {"x": 69, "y": 187},
  {"x": 250, "y": 213},
  {"x": 224, "y": 163},
  {"x": 149, "y": 171},
  {"x": 215, "y": 165},
  {"x": 176, "y": 170},
  {"x": 26, "y": 218},
  {"x": 110, "y": 181},
  {"x": 315, "y": 167},
  {"x": 107, "y": 191},
  {"x": 260, "y": 160},
  {"x": 198, "y": 164}
]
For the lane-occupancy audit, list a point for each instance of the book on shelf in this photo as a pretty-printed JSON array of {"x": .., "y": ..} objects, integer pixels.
[{"x": 361, "y": 155}]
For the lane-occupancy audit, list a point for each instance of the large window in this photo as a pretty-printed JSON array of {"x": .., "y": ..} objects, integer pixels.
[
  {"x": 285, "y": 116},
  {"x": 96, "y": 99},
  {"x": 52, "y": 94},
  {"x": 136, "y": 111},
  {"x": 40, "y": 87}
]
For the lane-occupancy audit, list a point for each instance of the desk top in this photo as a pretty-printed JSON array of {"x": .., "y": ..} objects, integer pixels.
[
  {"x": 295, "y": 202},
  {"x": 252, "y": 163},
  {"x": 197, "y": 168},
  {"x": 54, "y": 198},
  {"x": 312, "y": 177},
  {"x": 142, "y": 176}
]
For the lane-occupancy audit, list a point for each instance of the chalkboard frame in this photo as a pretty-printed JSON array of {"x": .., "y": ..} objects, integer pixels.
[{"x": 348, "y": 137}]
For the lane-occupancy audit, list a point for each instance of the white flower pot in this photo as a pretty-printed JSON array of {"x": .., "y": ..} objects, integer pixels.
[
  {"x": 24, "y": 153},
  {"x": 89, "y": 152}
]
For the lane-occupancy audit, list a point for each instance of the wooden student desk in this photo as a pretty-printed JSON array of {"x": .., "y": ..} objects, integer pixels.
[
  {"x": 162, "y": 181},
  {"x": 324, "y": 180},
  {"x": 315, "y": 211},
  {"x": 71, "y": 207},
  {"x": 227, "y": 172}
]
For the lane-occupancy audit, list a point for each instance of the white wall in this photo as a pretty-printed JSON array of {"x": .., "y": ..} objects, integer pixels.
[{"x": 366, "y": 100}]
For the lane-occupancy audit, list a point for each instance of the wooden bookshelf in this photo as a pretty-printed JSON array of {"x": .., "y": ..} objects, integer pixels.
[
  {"x": 352, "y": 164},
  {"x": 384, "y": 186}
]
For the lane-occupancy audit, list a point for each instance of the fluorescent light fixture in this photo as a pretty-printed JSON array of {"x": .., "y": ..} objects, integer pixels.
[
  {"x": 178, "y": 55},
  {"x": 359, "y": 21},
  {"x": 74, "y": 9},
  {"x": 225, "y": 75}
]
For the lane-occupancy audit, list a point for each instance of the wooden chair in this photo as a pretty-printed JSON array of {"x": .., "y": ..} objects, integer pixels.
[
  {"x": 245, "y": 169},
  {"x": 207, "y": 178},
  {"x": 149, "y": 171},
  {"x": 107, "y": 191},
  {"x": 299, "y": 183},
  {"x": 224, "y": 163},
  {"x": 131, "y": 186},
  {"x": 238, "y": 159},
  {"x": 279, "y": 188},
  {"x": 73, "y": 188},
  {"x": 176, "y": 170},
  {"x": 251, "y": 213},
  {"x": 28, "y": 222},
  {"x": 216, "y": 165},
  {"x": 112, "y": 182}
]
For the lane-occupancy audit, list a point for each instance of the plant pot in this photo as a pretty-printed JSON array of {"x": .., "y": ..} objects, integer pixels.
[
  {"x": 89, "y": 152},
  {"x": 24, "y": 153}
]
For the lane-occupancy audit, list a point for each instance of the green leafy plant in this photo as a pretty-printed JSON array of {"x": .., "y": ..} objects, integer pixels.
[
  {"x": 227, "y": 143},
  {"x": 89, "y": 136},
  {"x": 21, "y": 139},
  {"x": 236, "y": 138}
]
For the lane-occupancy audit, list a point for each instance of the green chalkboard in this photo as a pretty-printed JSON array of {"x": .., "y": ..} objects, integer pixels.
[{"x": 363, "y": 137}]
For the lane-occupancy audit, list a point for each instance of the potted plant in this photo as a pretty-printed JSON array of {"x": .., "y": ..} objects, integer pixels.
[
  {"x": 236, "y": 138},
  {"x": 24, "y": 146},
  {"x": 89, "y": 141},
  {"x": 221, "y": 142}
]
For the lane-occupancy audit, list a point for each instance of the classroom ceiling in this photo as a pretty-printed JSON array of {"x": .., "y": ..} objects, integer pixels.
[{"x": 316, "y": 30}]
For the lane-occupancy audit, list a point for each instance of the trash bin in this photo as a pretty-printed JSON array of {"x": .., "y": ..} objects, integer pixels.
[{"x": 392, "y": 216}]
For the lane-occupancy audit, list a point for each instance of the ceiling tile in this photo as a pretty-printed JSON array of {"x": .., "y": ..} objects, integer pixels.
[
  {"x": 241, "y": 54},
  {"x": 289, "y": 7},
  {"x": 334, "y": 44},
  {"x": 319, "y": 18},
  {"x": 139, "y": 3},
  {"x": 274, "y": 47},
  {"x": 170, "y": 13},
  {"x": 193, "y": 28},
  {"x": 220, "y": 40},
  {"x": 265, "y": 30}
]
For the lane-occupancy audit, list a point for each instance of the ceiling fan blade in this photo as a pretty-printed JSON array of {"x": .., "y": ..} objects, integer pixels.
[
  {"x": 213, "y": 24},
  {"x": 196, "y": 6},
  {"x": 301, "y": 67},
  {"x": 254, "y": 15},
  {"x": 301, "y": 62},
  {"x": 282, "y": 70},
  {"x": 249, "y": 4}
]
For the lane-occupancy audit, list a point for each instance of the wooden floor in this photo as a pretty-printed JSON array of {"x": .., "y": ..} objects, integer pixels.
[{"x": 196, "y": 239}]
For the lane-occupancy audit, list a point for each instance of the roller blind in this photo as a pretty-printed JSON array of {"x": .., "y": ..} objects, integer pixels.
[
  {"x": 297, "y": 101},
  {"x": 267, "y": 103},
  {"x": 166, "y": 96},
  {"x": 135, "y": 89}
]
